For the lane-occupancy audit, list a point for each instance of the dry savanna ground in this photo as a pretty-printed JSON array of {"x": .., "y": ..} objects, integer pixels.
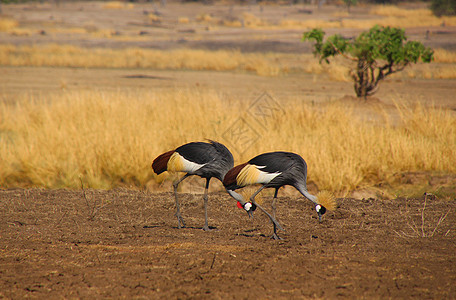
[
  {"x": 92, "y": 91},
  {"x": 125, "y": 244}
]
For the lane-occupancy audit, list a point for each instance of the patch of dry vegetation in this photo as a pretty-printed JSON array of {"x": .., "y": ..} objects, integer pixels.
[
  {"x": 394, "y": 11},
  {"x": 245, "y": 19},
  {"x": 421, "y": 71},
  {"x": 118, "y": 5},
  {"x": 424, "y": 229},
  {"x": 71, "y": 56},
  {"x": 388, "y": 15},
  {"x": 445, "y": 73},
  {"x": 399, "y": 17},
  {"x": 307, "y": 24},
  {"x": 111, "y": 138},
  {"x": 263, "y": 64},
  {"x": 7, "y": 24},
  {"x": 444, "y": 56}
]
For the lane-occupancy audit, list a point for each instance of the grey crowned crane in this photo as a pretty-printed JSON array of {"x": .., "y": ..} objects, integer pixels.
[
  {"x": 273, "y": 170},
  {"x": 206, "y": 160}
]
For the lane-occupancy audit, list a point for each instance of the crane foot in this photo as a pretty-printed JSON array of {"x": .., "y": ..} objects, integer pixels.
[
  {"x": 180, "y": 221},
  {"x": 276, "y": 237}
]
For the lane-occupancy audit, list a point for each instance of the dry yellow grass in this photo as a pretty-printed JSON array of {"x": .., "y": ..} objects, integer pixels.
[
  {"x": 252, "y": 21},
  {"x": 183, "y": 20},
  {"x": 263, "y": 64},
  {"x": 402, "y": 22},
  {"x": 205, "y": 18},
  {"x": 384, "y": 15},
  {"x": 71, "y": 56},
  {"x": 422, "y": 71},
  {"x": 153, "y": 18},
  {"x": 338, "y": 72},
  {"x": 7, "y": 24},
  {"x": 444, "y": 56},
  {"x": 307, "y": 24},
  {"x": 399, "y": 17},
  {"x": 394, "y": 11},
  {"x": 448, "y": 72},
  {"x": 118, "y": 5},
  {"x": 389, "y": 16},
  {"x": 246, "y": 19},
  {"x": 111, "y": 138}
]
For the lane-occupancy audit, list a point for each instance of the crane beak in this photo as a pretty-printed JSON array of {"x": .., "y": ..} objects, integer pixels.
[{"x": 249, "y": 208}]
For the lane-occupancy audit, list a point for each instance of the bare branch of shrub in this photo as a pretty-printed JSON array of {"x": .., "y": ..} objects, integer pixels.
[
  {"x": 421, "y": 231},
  {"x": 93, "y": 209}
]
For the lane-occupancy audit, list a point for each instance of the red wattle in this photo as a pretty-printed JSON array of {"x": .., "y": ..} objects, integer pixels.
[{"x": 239, "y": 205}]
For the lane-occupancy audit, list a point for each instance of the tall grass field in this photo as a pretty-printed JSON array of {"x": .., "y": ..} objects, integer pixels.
[
  {"x": 109, "y": 138},
  {"x": 262, "y": 64}
]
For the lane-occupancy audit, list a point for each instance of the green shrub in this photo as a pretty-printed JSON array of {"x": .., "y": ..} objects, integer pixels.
[{"x": 377, "y": 53}]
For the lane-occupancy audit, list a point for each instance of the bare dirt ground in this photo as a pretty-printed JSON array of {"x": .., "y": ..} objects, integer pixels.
[{"x": 126, "y": 244}]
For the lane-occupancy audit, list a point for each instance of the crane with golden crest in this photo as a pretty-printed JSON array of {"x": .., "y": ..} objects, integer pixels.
[
  {"x": 274, "y": 170},
  {"x": 203, "y": 159}
]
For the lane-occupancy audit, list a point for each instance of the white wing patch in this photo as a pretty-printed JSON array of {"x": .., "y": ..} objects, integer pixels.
[
  {"x": 190, "y": 166},
  {"x": 178, "y": 163},
  {"x": 265, "y": 177}
]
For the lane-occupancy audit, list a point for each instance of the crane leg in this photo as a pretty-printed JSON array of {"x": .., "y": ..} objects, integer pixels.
[
  {"x": 273, "y": 220},
  {"x": 180, "y": 220},
  {"x": 206, "y": 226},
  {"x": 274, "y": 203},
  {"x": 275, "y": 236}
]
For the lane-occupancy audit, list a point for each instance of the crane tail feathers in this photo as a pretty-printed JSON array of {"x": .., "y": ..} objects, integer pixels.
[{"x": 160, "y": 164}]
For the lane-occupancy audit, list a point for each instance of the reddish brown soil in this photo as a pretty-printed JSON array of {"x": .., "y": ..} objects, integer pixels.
[{"x": 125, "y": 244}]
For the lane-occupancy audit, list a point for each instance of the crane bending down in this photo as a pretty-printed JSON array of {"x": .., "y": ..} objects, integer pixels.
[
  {"x": 206, "y": 160},
  {"x": 272, "y": 170}
]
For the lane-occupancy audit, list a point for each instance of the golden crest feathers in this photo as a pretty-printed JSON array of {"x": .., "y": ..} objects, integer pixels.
[{"x": 327, "y": 199}]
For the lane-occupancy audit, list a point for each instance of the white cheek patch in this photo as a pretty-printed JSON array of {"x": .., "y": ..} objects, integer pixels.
[
  {"x": 318, "y": 208},
  {"x": 248, "y": 206}
]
